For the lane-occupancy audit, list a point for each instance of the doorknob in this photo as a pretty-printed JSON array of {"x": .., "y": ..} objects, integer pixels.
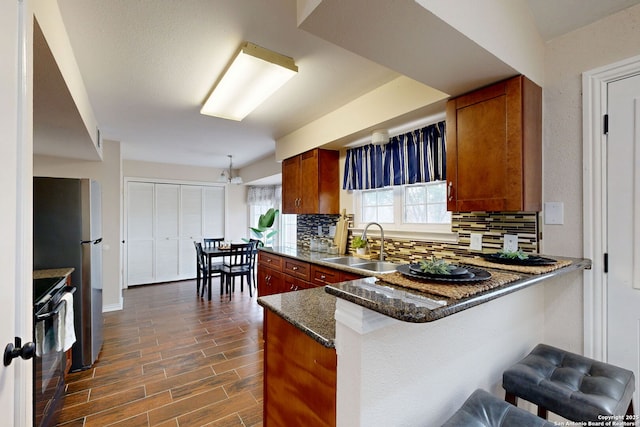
[{"x": 11, "y": 351}]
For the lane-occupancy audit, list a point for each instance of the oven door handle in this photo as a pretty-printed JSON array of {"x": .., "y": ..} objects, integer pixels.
[{"x": 57, "y": 308}]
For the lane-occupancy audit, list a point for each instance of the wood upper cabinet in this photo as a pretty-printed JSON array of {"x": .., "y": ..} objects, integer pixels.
[
  {"x": 494, "y": 148},
  {"x": 310, "y": 183}
]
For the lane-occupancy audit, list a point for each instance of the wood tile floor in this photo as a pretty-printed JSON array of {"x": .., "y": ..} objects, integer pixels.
[{"x": 173, "y": 359}]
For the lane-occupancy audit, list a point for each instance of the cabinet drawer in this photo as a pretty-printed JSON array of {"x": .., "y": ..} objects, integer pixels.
[
  {"x": 296, "y": 268},
  {"x": 321, "y": 276},
  {"x": 291, "y": 284},
  {"x": 273, "y": 261},
  {"x": 346, "y": 276}
]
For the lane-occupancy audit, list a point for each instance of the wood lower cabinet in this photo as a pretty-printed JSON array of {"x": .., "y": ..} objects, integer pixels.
[
  {"x": 310, "y": 183},
  {"x": 300, "y": 377},
  {"x": 494, "y": 148},
  {"x": 277, "y": 274}
]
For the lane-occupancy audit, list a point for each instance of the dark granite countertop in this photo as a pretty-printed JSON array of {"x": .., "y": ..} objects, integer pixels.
[
  {"x": 314, "y": 313},
  {"x": 310, "y": 310}
]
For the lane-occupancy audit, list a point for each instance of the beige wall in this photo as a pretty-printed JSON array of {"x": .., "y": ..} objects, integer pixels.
[
  {"x": 607, "y": 41},
  {"x": 108, "y": 173}
]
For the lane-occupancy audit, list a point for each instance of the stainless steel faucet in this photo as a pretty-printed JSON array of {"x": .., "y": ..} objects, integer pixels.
[{"x": 364, "y": 236}]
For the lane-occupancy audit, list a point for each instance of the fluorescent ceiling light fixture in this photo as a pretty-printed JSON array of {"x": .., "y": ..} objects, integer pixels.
[{"x": 254, "y": 74}]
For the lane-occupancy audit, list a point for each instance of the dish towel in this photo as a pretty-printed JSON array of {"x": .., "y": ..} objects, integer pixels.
[
  {"x": 40, "y": 338},
  {"x": 66, "y": 331}
]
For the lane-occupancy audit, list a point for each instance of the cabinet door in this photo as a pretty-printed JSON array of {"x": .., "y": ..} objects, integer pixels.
[
  {"x": 290, "y": 185},
  {"x": 494, "y": 148},
  {"x": 140, "y": 233},
  {"x": 319, "y": 182},
  {"x": 309, "y": 182},
  {"x": 269, "y": 282},
  {"x": 300, "y": 377}
]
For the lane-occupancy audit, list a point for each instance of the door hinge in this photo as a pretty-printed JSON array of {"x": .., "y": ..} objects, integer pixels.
[
  {"x": 605, "y": 124},
  {"x": 606, "y": 263}
]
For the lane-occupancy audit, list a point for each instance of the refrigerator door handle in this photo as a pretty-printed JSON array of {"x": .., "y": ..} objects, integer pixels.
[{"x": 94, "y": 242}]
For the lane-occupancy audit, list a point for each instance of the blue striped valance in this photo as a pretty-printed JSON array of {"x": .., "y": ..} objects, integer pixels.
[{"x": 416, "y": 156}]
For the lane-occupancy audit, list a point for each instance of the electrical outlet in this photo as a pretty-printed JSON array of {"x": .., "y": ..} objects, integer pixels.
[
  {"x": 510, "y": 243},
  {"x": 476, "y": 242}
]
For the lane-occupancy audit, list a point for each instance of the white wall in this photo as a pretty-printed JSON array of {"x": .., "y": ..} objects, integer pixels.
[
  {"x": 393, "y": 373},
  {"x": 567, "y": 57},
  {"x": 108, "y": 173}
]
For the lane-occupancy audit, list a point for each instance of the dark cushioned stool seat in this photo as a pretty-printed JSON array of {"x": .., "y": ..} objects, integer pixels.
[
  {"x": 573, "y": 386},
  {"x": 482, "y": 409}
]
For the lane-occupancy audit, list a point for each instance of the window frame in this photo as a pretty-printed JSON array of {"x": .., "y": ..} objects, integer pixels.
[{"x": 399, "y": 228}]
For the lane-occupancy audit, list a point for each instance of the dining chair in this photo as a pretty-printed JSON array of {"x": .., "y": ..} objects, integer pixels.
[
  {"x": 238, "y": 263},
  {"x": 212, "y": 242},
  {"x": 207, "y": 269},
  {"x": 254, "y": 257},
  {"x": 202, "y": 272}
]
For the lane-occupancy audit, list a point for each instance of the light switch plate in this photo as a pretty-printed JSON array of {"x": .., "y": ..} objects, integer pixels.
[
  {"x": 554, "y": 213},
  {"x": 476, "y": 242},
  {"x": 510, "y": 243}
]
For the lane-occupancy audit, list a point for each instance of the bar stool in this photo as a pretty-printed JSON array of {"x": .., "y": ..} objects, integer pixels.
[
  {"x": 483, "y": 409},
  {"x": 570, "y": 385}
]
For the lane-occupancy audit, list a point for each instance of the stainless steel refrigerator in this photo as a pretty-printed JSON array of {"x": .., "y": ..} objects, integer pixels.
[{"x": 67, "y": 232}]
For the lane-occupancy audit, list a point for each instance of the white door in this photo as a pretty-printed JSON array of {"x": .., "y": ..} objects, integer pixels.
[
  {"x": 191, "y": 224},
  {"x": 623, "y": 226},
  {"x": 15, "y": 216},
  {"x": 167, "y": 212},
  {"x": 213, "y": 212},
  {"x": 140, "y": 233}
]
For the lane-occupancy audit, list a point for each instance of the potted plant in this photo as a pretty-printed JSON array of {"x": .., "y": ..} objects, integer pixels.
[
  {"x": 263, "y": 231},
  {"x": 359, "y": 244}
]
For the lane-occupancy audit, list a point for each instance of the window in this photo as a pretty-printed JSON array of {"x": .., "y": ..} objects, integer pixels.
[
  {"x": 288, "y": 230},
  {"x": 426, "y": 204},
  {"x": 377, "y": 205},
  {"x": 411, "y": 208}
]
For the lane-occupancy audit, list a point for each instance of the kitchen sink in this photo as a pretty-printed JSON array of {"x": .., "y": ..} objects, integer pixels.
[
  {"x": 377, "y": 266},
  {"x": 354, "y": 262},
  {"x": 345, "y": 260}
]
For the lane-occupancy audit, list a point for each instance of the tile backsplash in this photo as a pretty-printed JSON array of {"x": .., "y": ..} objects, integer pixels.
[{"x": 493, "y": 225}]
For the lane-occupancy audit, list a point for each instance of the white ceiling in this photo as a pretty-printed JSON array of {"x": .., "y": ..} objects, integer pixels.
[{"x": 147, "y": 66}]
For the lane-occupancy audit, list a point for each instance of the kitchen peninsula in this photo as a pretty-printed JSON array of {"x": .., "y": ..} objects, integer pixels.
[{"x": 403, "y": 357}]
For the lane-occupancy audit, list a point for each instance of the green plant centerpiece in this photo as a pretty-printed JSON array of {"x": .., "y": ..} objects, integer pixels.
[
  {"x": 358, "y": 242},
  {"x": 512, "y": 254},
  {"x": 436, "y": 266},
  {"x": 264, "y": 231}
]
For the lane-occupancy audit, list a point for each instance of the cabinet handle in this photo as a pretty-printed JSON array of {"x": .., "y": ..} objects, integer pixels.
[
  {"x": 294, "y": 268},
  {"x": 450, "y": 191},
  {"x": 293, "y": 288},
  {"x": 322, "y": 276},
  {"x": 268, "y": 259}
]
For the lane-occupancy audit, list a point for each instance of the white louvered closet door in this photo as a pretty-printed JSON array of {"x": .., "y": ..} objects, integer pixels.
[
  {"x": 167, "y": 231},
  {"x": 191, "y": 209},
  {"x": 163, "y": 221},
  {"x": 140, "y": 240}
]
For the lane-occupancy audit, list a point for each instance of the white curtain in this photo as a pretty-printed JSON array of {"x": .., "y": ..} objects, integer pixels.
[{"x": 264, "y": 195}]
